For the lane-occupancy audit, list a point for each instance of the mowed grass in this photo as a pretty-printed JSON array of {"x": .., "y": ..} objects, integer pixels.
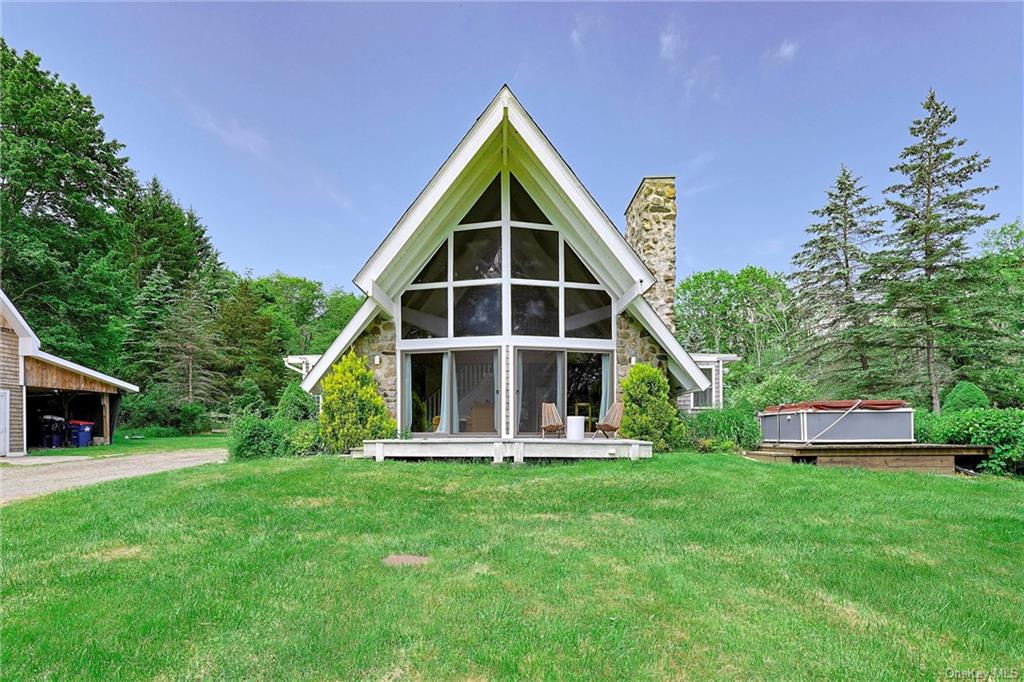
[
  {"x": 144, "y": 446},
  {"x": 682, "y": 566}
]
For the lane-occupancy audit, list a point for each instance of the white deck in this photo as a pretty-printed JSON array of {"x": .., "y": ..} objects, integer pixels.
[{"x": 500, "y": 450}]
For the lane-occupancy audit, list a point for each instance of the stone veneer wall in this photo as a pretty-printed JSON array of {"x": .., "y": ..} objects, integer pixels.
[
  {"x": 634, "y": 341},
  {"x": 651, "y": 231},
  {"x": 379, "y": 339}
]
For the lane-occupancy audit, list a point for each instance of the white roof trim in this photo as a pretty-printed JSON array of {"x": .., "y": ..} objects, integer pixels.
[
  {"x": 28, "y": 341},
  {"x": 680, "y": 364},
  {"x": 354, "y": 328},
  {"x": 80, "y": 369},
  {"x": 460, "y": 158},
  {"x": 715, "y": 357}
]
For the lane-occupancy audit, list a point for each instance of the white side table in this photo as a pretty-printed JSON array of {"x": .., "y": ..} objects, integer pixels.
[{"x": 574, "y": 427}]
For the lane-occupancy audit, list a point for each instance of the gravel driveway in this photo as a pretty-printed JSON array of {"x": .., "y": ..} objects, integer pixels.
[{"x": 17, "y": 482}]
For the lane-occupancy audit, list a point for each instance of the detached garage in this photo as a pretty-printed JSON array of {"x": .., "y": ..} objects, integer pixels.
[{"x": 37, "y": 388}]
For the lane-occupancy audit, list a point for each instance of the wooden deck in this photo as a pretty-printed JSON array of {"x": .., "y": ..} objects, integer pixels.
[
  {"x": 923, "y": 457},
  {"x": 499, "y": 450}
]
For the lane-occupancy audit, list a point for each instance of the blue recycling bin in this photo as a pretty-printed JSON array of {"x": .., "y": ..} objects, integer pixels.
[{"x": 81, "y": 433}]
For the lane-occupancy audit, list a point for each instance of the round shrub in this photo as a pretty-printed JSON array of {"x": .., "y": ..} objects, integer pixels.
[
  {"x": 648, "y": 412},
  {"x": 352, "y": 409},
  {"x": 253, "y": 437},
  {"x": 964, "y": 396},
  {"x": 296, "y": 404},
  {"x": 1003, "y": 430},
  {"x": 304, "y": 438},
  {"x": 248, "y": 399},
  {"x": 193, "y": 418}
]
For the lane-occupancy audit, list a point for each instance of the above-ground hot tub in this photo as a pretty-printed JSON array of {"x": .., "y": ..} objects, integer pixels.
[{"x": 838, "y": 421}]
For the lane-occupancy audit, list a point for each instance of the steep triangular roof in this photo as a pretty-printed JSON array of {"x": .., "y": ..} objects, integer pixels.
[{"x": 506, "y": 134}]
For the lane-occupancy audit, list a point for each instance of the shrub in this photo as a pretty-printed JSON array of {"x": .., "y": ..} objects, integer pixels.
[
  {"x": 253, "y": 437},
  {"x": 193, "y": 418},
  {"x": 648, "y": 412},
  {"x": 734, "y": 425},
  {"x": 248, "y": 399},
  {"x": 964, "y": 396},
  {"x": 147, "y": 432},
  {"x": 353, "y": 410},
  {"x": 296, "y": 404},
  {"x": 1003, "y": 430},
  {"x": 776, "y": 389},
  {"x": 153, "y": 407},
  {"x": 304, "y": 437}
]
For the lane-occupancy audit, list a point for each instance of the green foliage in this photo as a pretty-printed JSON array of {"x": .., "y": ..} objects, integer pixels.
[
  {"x": 353, "y": 410},
  {"x": 248, "y": 330},
  {"x": 295, "y": 404},
  {"x": 747, "y": 313},
  {"x": 193, "y": 418},
  {"x": 964, "y": 396},
  {"x": 304, "y": 437},
  {"x": 775, "y": 389},
  {"x": 832, "y": 299},
  {"x": 253, "y": 437},
  {"x": 153, "y": 407},
  {"x": 147, "y": 432},
  {"x": 248, "y": 399},
  {"x": 723, "y": 429},
  {"x": 648, "y": 412},
  {"x": 1001, "y": 429}
]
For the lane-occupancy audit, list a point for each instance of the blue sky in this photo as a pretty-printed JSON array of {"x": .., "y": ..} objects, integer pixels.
[{"x": 300, "y": 133}]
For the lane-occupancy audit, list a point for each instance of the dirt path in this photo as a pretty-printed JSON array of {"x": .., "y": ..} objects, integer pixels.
[{"x": 20, "y": 482}]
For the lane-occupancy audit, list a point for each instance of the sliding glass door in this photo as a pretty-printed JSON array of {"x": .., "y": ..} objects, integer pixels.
[
  {"x": 578, "y": 383},
  {"x": 452, "y": 392}
]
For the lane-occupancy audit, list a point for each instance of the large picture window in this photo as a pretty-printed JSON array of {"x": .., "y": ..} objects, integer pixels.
[
  {"x": 451, "y": 392},
  {"x": 505, "y": 275}
]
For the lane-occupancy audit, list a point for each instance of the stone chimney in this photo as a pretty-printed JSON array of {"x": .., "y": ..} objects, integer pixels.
[{"x": 651, "y": 231}]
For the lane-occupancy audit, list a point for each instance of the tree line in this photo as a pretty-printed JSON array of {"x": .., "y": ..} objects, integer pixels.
[
  {"x": 885, "y": 298},
  {"x": 117, "y": 274}
]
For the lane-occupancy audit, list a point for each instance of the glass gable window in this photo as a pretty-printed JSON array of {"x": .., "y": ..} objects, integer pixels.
[
  {"x": 535, "y": 311},
  {"x": 477, "y": 310},
  {"x": 534, "y": 254},
  {"x": 476, "y": 254},
  {"x": 575, "y": 270},
  {"x": 425, "y": 314},
  {"x": 588, "y": 314},
  {"x": 436, "y": 269},
  {"x": 488, "y": 207},
  {"x": 522, "y": 206}
]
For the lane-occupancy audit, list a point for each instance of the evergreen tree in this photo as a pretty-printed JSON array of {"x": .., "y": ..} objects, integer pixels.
[
  {"x": 257, "y": 351},
  {"x": 924, "y": 263},
  {"x": 831, "y": 297},
  {"x": 152, "y": 306},
  {"x": 189, "y": 346}
]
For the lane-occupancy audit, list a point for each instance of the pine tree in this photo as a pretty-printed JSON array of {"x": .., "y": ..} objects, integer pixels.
[
  {"x": 154, "y": 302},
  {"x": 925, "y": 260},
  {"x": 827, "y": 277},
  {"x": 189, "y": 347}
]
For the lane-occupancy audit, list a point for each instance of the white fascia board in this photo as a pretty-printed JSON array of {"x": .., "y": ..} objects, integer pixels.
[
  {"x": 715, "y": 357},
  {"x": 80, "y": 369},
  {"x": 28, "y": 339},
  {"x": 556, "y": 166},
  {"x": 353, "y": 329},
  {"x": 449, "y": 172},
  {"x": 680, "y": 364}
]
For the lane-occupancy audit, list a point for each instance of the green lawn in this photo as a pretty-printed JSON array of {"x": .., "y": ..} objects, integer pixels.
[
  {"x": 677, "y": 567},
  {"x": 144, "y": 446}
]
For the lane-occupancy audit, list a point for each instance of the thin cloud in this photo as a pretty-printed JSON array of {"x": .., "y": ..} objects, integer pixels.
[
  {"x": 700, "y": 161},
  {"x": 703, "y": 76},
  {"x": 232, "y": 132},
  {"x": 671, "y": 44},
  {"x": 785, "y": 52},
  {"x": 694, "y": 190},
  {"x": 583, "y": 25}
]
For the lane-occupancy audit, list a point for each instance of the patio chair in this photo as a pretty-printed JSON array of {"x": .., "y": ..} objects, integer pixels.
[
  {"x": 550, "y": 420},
  {"x": 611, "y": 422}
]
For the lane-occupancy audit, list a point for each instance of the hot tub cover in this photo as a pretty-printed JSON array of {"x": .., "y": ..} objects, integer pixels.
[{"x": 819, "y": 405}]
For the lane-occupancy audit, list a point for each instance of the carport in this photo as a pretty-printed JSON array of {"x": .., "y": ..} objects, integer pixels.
[{"x": 55, "y": 386}]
